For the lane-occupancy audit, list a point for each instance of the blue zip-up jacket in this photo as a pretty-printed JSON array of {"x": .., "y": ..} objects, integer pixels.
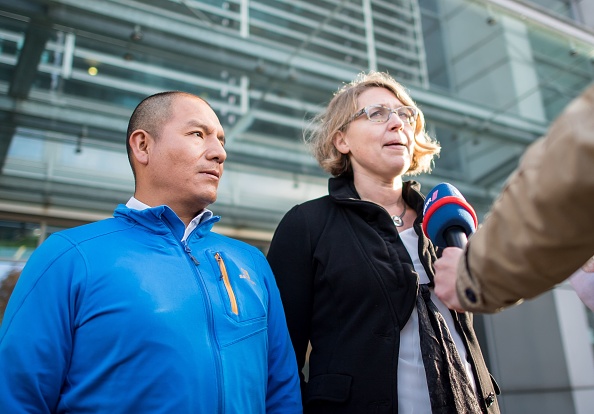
[{"x": 120, "y": 316}]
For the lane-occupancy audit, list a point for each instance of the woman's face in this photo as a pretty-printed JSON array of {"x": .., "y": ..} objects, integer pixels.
[{"x": 378, "y": 150}]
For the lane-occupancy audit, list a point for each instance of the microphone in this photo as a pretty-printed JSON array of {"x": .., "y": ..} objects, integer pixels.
[{"x": 448, "y": 219}]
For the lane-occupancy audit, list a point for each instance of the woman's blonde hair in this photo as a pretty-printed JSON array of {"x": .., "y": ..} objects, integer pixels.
[{"x": 320, "y": 133}]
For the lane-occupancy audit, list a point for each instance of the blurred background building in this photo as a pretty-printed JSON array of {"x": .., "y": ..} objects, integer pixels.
[{"x": 490, "y": 76}]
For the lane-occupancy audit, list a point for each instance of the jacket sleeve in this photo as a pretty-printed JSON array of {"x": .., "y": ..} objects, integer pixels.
[
  {"x": 540, "y": 229},
  {"x": 283, "y": 395},
  {"x": 35, "y": 337},
  {"x": 290, "y": 256}
]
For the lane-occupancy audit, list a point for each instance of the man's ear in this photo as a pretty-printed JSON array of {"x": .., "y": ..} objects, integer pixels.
[
  {"x": 340, "y": 143},
  {"x": 140, "y": 141}
]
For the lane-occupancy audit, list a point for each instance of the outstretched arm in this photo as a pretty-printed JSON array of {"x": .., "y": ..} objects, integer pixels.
[{"x": 539, "y": 230}]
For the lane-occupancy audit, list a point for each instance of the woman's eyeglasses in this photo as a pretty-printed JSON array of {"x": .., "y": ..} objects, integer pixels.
[{"x": 380, "y": 113}]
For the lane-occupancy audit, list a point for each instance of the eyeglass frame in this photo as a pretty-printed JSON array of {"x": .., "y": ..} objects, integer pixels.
[{"x": 365, "y": 111}]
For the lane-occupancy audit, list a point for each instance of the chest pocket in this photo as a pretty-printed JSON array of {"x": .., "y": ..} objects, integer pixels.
[{"x": 240, "y": 289}]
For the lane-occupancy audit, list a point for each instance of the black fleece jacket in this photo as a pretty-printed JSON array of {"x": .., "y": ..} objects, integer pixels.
[{"x": 348, "y": 288}]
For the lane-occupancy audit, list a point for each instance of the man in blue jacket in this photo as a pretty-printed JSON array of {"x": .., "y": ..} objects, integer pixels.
[{"x": 150, "y": 311}]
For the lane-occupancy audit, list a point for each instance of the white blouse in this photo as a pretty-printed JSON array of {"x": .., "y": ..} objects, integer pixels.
[{"x": 413, "y": 394}]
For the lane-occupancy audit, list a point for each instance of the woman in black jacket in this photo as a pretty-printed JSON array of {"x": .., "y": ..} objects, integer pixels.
[{"x": 355, "y": 270}]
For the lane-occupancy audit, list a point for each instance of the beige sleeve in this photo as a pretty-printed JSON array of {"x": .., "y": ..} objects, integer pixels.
[{"x": 541, "y": 228}]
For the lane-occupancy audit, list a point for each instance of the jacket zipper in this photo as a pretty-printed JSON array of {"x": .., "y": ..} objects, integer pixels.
[
  {"x": 211, "y": 329},
  {"x": 189, "y": 253},
  {"x": 210, "y": 320},
  {"x": 227, "y": 282}
]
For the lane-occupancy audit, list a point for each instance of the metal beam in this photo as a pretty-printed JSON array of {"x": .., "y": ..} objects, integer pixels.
[
  {"x": 457, "y": 112},
  {"x": 496, "y": 176},
  {"x": 7, "y": 130},
  {"x": 55, "y": 194},
  {"x": 37, "y": 35},
  {"x": 24, "y": 7}
]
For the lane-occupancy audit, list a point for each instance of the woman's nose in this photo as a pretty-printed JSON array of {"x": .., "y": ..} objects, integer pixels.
[{"x": 395, "y": 121}]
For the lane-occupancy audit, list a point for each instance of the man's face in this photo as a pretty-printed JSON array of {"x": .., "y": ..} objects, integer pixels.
[{"x": 186, "y": 163}]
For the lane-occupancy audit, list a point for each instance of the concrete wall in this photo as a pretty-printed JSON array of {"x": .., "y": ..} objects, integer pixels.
[{"x": 540, "y": 353}]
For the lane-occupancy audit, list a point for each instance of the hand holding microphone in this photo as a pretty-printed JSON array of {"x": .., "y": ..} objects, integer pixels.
[{"x": 448, "y": 221}]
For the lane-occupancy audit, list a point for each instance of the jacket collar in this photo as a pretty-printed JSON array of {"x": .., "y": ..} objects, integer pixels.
[
  {"x": 163, "y": 220},
  {"x": 342, "y": 189}
]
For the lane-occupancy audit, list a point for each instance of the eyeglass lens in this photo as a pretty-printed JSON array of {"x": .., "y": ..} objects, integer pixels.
[{"x": 382, "y": 113}]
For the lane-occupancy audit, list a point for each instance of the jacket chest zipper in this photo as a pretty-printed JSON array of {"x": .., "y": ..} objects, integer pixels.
[
  {"x": 189, "y": 253},
  {"x": 211, "y": 330},
  {"x": 227, "y": 283}
]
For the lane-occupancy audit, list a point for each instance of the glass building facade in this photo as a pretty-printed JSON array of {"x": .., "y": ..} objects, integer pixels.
[{"x": 490, "y": 76}]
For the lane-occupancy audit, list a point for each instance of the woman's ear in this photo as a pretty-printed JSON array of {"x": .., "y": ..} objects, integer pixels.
[
  {"x": 140, "y": 141},
  {"x": 340, "y": 143}
]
